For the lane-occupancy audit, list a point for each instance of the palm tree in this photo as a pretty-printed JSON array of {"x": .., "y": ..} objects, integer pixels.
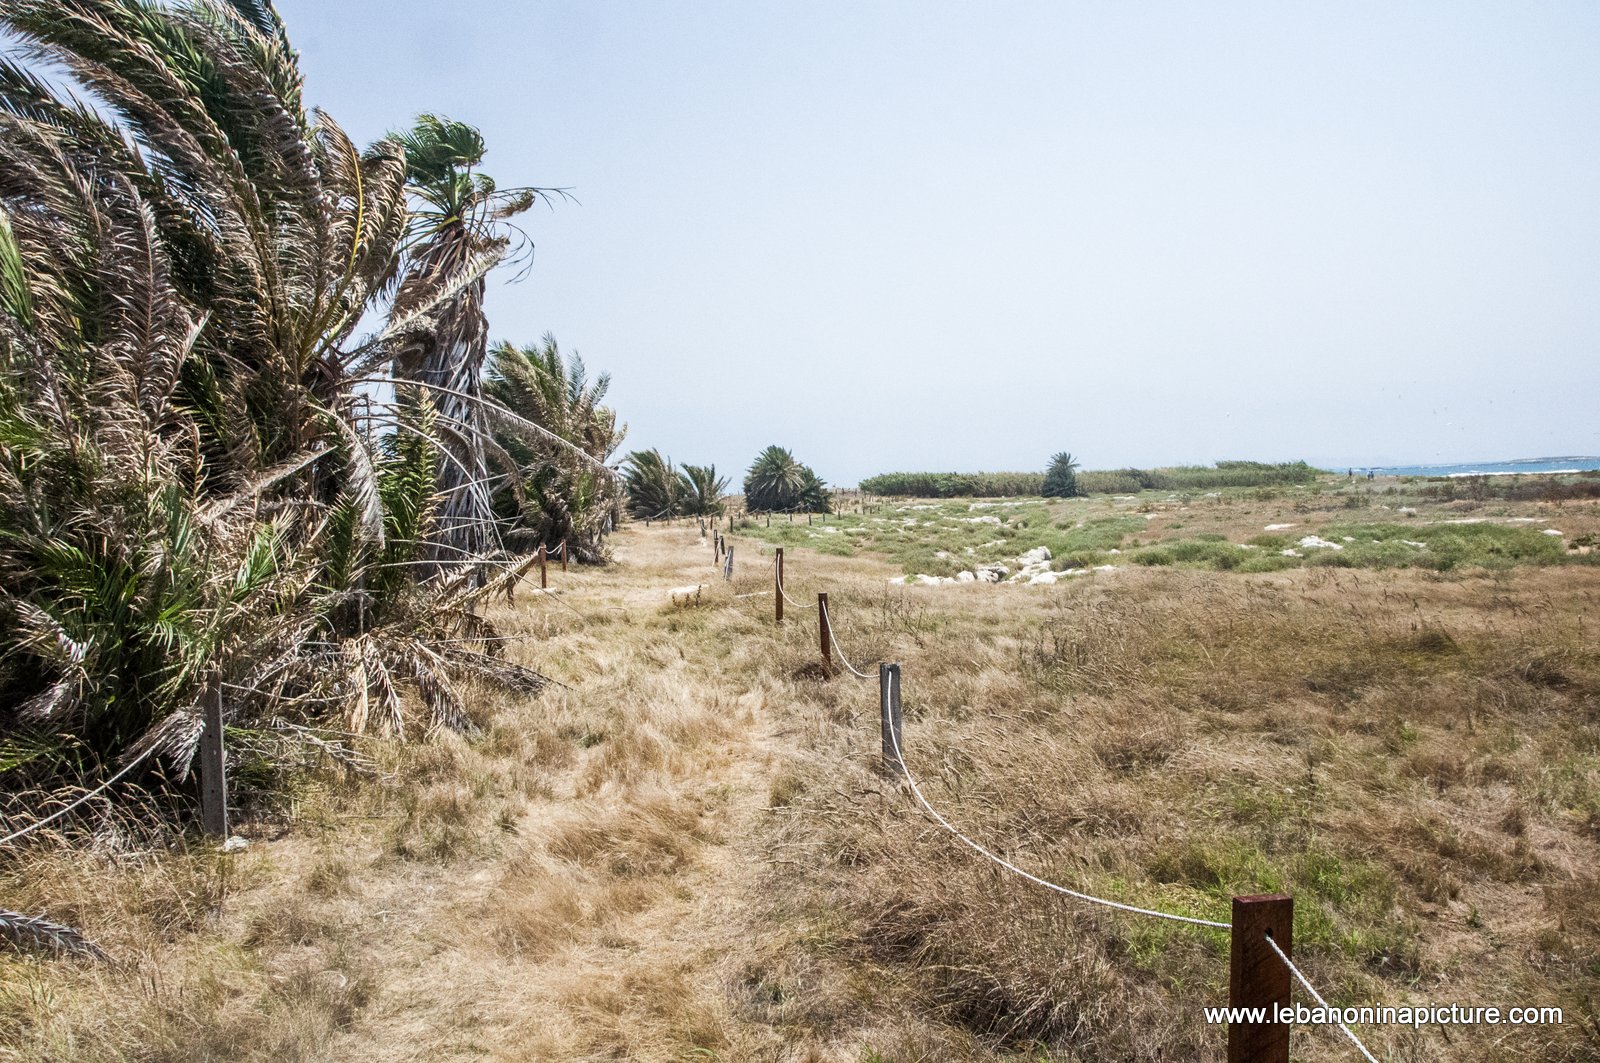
[
  {"x": 776, "y": 482},
  {"x": 702, "y": 490},
  {"x": 185, "y": 487},
  {"x": 814, "y": 494},
  {"x": 460, "y": 229},
  {"x": 1060, "y": 479},
  {"x": 773, "y": 481},
  {"x": 654, "y": 487},
  {"x": 556, "y": 496}
]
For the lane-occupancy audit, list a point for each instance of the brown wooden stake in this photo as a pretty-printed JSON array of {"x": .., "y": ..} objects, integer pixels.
[
  {"x": 822, "y": 633},
  {"x": 544, "y": 576},
  {"x": 1258, "y": 979},
  {"x": 563, "y": 555},
  {"x": 889, "y": 717},
  {"x": 777, "y": 585},
  {"x": 213, "y": 767}
]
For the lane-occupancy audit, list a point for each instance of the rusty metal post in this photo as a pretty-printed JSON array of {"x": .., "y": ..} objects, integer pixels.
[
  {"x": 777, "y": 585},
  {"x": 822, "y": 633},
  {"x": 213, "y": 764},
  {"x": 1258, "y": 979}
]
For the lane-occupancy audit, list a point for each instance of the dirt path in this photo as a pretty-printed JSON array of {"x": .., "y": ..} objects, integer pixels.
[{"x": 606, "y": 922}]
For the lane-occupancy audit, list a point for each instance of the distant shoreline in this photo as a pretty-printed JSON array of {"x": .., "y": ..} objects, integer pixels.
[{"x": 1514, "y": 467}]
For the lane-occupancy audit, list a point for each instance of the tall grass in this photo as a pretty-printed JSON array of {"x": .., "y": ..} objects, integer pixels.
[
  {"x": 954, "y": 484},
  {"x": 1105, "y": 481}
]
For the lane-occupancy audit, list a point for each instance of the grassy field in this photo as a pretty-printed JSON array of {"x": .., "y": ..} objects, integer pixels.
[
  {"x": 690, "y": 852},
  {"x": 1396, "y": 525}
]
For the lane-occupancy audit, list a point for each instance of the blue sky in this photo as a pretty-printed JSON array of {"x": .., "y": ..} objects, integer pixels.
[{"x": 963, "y": 236}]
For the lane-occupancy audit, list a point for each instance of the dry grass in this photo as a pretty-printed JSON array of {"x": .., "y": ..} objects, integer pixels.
[{"x": 691, "y": 853}]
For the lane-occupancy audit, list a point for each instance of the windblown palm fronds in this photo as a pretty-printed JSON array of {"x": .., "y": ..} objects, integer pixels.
[
  {"x": 460, "y": 229},
  {"x": 702, "y": 490},
  {"x": 185, "y": 489},
  {"x": 555, "y": 495},
  {"x": 654, "y": 488}
]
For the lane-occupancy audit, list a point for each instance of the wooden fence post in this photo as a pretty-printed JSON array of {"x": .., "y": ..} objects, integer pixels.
[
  {"x": 777, "y": 585},
  {"x": 889, "y": 717},
  {"x": 563, "y": 555},
  {"x": 716, "y": 547},
  {"x": 727, "y": 564},
  {"x": 213, "y": 768},
  {"x": 544, "y": 577},
  {"x": 1258, "y": 979},
  {"x": 822, "y": 634}
]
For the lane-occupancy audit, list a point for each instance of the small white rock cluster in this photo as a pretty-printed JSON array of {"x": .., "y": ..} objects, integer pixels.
[{"x": 1032, "y": 568}]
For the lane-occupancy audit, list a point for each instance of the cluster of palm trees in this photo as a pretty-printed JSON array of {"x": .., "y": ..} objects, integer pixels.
[
  {"x": 774, "y": 483},
  {"x": 210, "y": 478},
  {"x": 658, "y": 491}
]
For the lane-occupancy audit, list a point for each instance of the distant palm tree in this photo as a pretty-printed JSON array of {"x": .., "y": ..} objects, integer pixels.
[
  {"x": 702, "y": 490},
  {"x": 459, "y": 230},
  {"x": 773, "y": 481},
  {"x": 1061, "y": 479},
  {"x": 555, "y": 496},
  {"x": 654, "y": 488},
  {"x": 777, "y": 483}
]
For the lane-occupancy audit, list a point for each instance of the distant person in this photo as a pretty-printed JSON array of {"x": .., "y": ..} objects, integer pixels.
[
  {"x": 1371, "y": 475},
  {"x": 1350, "y": 475}
]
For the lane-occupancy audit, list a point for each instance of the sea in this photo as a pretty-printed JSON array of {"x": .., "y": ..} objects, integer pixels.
[{"x": 1515, "y": 467}]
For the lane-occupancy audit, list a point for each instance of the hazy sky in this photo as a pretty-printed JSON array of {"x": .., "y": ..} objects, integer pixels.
[{"x": 964, "y": 236}]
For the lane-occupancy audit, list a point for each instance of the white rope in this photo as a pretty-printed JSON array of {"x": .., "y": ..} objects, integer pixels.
[
  {"x": 790, "y": 600},
  {"x": 1035, "y": 879},
  {"x": 1323, "y": 1004},
  {"x": 833, "y": 640},
  {"x": 9, "y": 838}
]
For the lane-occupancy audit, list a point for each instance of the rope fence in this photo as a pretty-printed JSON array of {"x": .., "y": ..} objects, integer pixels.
[{"x": 1259, "y": 966}]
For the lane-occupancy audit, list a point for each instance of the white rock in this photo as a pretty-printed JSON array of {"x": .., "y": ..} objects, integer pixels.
[
  {"x": 899, "y": 581},
  {"x": 1034, "y": 556},
  {"x": 694, "y": 588},
  {"x": 1552, "y": 531},
  {"x": 980, "y": 520},
  {"x": 1315, "y": 542},
  {"x": 942, "y": 555},
  {"x": 1113, "y": 550},
  {"x": 1105, "y": 568},
  {"x": 1248, "y": 546},
  {"x": 1412, "y": 510},
  {"x": 992, "y": 573},
  {"x": 1042, "y": 577},
  {"x": 1410, "y": 542},
  {"x": 236, "y": 844},
  {"x": 1291, "y": 552},
  {"x": 966, "y": 577},
  {"x": 927, "y": 581},
  {"x": 1277, "y": 527}
]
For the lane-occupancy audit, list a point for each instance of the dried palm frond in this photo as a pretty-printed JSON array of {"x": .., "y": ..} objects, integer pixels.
[{"x": 32, "y": 933}]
